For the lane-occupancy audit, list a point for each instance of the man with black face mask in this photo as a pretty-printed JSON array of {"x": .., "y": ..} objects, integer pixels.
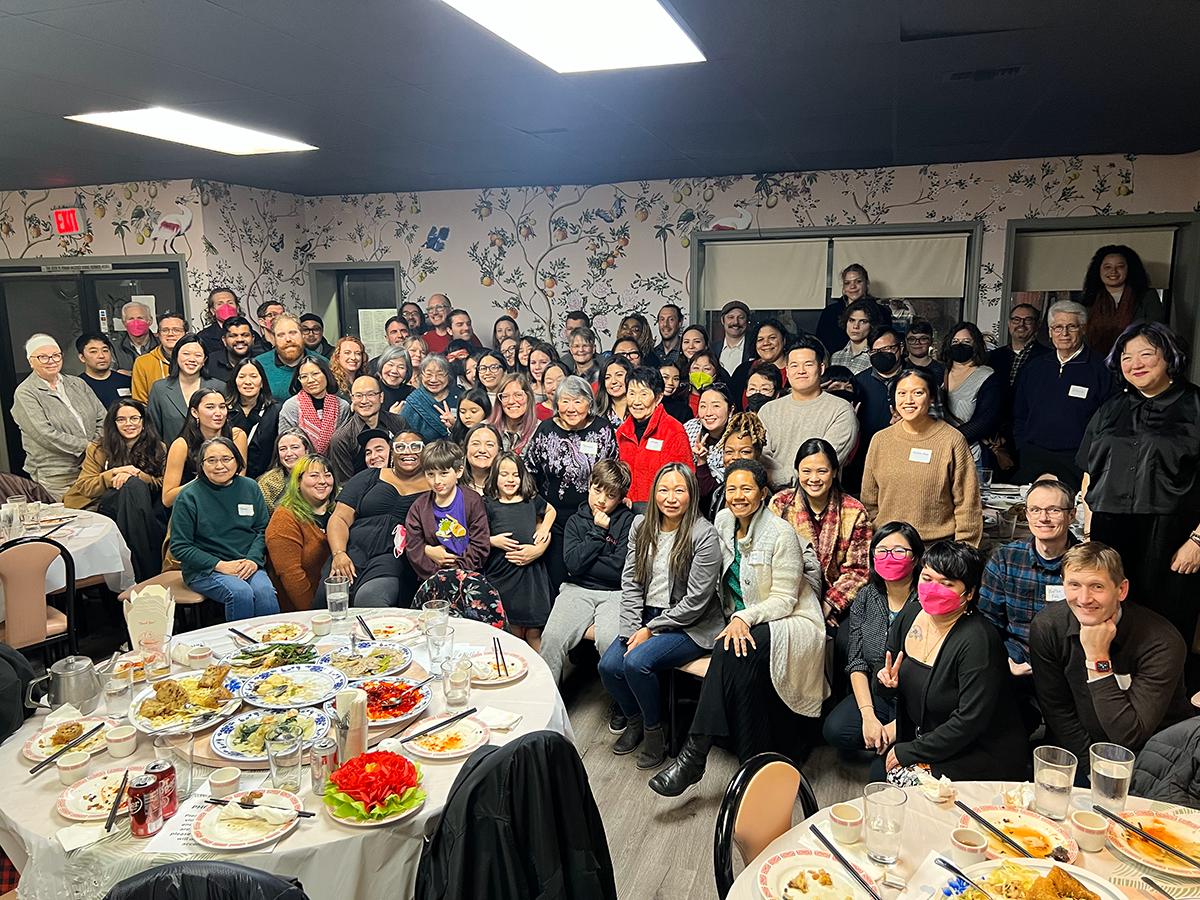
[{"x": 886, "y": 350}]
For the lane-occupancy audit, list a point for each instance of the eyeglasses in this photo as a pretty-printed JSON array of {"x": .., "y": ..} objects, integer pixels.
[
  {"x": 367, "y": 396},
  {"x": 46, "y": 358},
  {"x": 310, "y": 376},
  {"x": 162, "y": 330},
  {"x": 218, "y": 460},
  {"x": 433, "y": 308},
  {"x": 128, "y": 420},
  {"x": 919, "y": 339},
  {"x": 1064, "y": 329},
  {"x": 512, "y": 398},
  {"x": 893, "y": 552},
  {"x": 1052, "y": 512},
  {"x": 1022, "y": 320},
  {"x": 875, "y": 351},
  {"x": 494, "y": 367},
  {"x": 312, "y": 329},
  {"x": 414, "y": 447}
]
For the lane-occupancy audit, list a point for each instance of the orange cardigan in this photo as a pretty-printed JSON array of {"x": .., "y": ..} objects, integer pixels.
[
  {"x": 95, "y": 478},
  {"x": 295, "y": 554}
]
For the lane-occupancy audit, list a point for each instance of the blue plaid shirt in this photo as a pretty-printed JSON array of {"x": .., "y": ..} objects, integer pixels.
[{"x": 1014, "y": 591}]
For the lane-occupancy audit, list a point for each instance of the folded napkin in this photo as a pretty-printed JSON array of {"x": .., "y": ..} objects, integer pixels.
[
  {"x": 929, "y": 879},
  {"x": 271, "y": 814},
  {"x": 498, "y": 719},
  {"x": 179, "y": 652},
  {"x": 65, "y": 713},
  {"x": 482, "y": 670},
  {"x": 80, "y": 835}
]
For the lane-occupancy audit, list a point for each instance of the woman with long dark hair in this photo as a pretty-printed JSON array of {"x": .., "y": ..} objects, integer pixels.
[
  {"x": 315, "y": 407},
  {"x": 503, "y": 328},
  {"x": 208, "y": 417},
  {"x": 167, "y": 407},
  {"x": 704, "y": 432},
  {"x": 254, "y": 409},
  {"x": 1117, "y": 293},
  {"x": 612, "y": 400}
]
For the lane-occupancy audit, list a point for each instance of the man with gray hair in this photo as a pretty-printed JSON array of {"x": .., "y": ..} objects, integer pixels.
[
  {"x": 137, "y": 340},
  {"x": 1056, "y": 395}
]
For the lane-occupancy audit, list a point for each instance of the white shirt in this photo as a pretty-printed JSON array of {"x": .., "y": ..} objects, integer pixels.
[
  {"x": 731, "y": 354},
  {"x": 658, "y": 594}
]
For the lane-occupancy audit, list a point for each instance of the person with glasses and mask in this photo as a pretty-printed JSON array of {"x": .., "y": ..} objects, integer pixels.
[
  {"x": 437, "y": 336},
  {"x": 885, "y": 349},
  {"x": 366, "y": 412}
]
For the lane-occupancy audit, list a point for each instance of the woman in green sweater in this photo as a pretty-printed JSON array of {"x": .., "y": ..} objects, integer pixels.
[{"x": 219, "y": 534}]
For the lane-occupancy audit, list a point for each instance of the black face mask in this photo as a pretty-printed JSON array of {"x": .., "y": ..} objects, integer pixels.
[
  {"x": 848, "y": 396},
  {"x": 757, "y": 401},
  {"x": 884, "y": 362},
  {"x": 961, "y": 353}
]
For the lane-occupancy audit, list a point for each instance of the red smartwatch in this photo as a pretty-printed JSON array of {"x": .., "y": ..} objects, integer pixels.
[{"x": 1101, "y": 666}]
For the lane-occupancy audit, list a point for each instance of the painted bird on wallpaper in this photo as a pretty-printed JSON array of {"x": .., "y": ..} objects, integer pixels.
[
  {"x": 743, "y": 220},
  {"x": 171, "y": 227},
  {"x": 437, "y": 238}
]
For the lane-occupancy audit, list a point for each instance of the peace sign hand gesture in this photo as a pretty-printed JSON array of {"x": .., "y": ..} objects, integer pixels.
[
  {"x": 889, "y": 675},
  {"x": 448, "y": 418}
]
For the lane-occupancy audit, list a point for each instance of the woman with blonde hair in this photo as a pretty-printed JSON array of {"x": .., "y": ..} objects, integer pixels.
[
  {"x": 296, "y": 544},
  {"x": 348, "y": 361},
  {"x": 417, "y": 351}
]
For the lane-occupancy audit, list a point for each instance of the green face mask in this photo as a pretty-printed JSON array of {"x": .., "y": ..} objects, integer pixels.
[{"x": 700, "y": 380}]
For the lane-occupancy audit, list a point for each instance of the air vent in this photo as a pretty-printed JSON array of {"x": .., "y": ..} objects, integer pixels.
[{"x": 984, "y": 74}]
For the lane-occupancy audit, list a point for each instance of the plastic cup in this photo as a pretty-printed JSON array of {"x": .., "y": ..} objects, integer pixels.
[{"x": 884, "y": 821}]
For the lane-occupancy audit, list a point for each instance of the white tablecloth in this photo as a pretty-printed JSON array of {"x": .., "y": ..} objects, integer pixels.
[
  {"x": 334, "y": 862},
  {"x": 927, "y": 827}
]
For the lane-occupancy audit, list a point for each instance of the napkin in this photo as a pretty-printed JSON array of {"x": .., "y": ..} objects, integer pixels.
[
  {"x": 270, "y": 814},
  {"x": 65, "y": 713},
  {"x": 482, "y": 670},
  {"x": 928, "y": 880},
  {"x": 498, "y": 719},
  {"x": 351, "y": 705},
  {"x": 79, "y": 835},
  {"x": 179, "y": 652}
]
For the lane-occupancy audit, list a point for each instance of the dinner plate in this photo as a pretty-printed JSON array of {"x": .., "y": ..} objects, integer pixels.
[
  {"x": 244, "y": 834},
  {"x": 391, "y": 626},
  {"x": 462, "y": 738},
  {"x": 393, "y": 718},
  {"x": 285, "y": 632},
  {"x": 1026, "y": 828},
  {"x": 518, "y": 666},
  {"x": 401, "y": 661},
  {"x": 1177, "y": 832},
  {"x": 222, "y": 738},
  {"x": 39, "y": 747},
  {"x": 144, "y": 725},
  {"x": 781, "y": 868},
  {"x": 321, "y": 683},
  {"x": 90, "y": 799},
  {"x": 372, "y": 823},
  {"x": 1092, "y": 882}
]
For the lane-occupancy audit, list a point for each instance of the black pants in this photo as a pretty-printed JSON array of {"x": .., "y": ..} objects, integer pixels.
[
  {"x": 843, "y": 725},
  {"x": 142, "y": 520}
]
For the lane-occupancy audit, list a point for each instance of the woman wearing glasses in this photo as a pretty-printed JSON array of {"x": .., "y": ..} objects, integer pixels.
[
  {"x": 974, "y": 393},
  {"x": 364, "y": 531},
  {"x": 489, "y": 369},
  {"x": 315, "y": 407}
]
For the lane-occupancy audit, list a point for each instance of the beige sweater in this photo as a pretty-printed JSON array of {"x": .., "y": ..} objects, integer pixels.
[{"x": 940, "y": 498}]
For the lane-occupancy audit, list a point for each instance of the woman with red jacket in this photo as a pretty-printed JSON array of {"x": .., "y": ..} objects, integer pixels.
[{"x": 650, "y": 437}]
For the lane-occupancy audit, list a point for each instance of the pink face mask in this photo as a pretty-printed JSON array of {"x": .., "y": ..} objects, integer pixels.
[
  {"x": 226, "y": 311},
  {"x": 937, "y": 599},
  {"x": 137, "y": 327},
  {"x": 892, "y": 569}
]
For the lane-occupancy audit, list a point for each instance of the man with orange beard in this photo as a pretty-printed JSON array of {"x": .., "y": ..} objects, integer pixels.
[{"x": 280, "y": 364}]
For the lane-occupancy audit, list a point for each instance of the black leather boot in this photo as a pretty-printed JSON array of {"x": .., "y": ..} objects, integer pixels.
[
  {"x": 630, "y": 737},
  {"x": 687, "y": 769},
  {"x": 654, "y": 751}
]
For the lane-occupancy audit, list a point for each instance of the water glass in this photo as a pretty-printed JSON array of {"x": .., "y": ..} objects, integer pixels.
[
  {"x": 284, "y": 756},
  {"x": 434, "y": 612},
  {"x": 156, "y": 656},
  {"x": 337, "y": 598},
  {"x": 439, "y": 641},
  {"x": 118, "y": 689},
  {"x": 179, "y": 751},
  {"x": 10, "y": 521},
  {"x": 985, "y": 479},
  {"x": 456, "y": 682},
  {"x": 1053, "y": 777},
  {"x": 1112, "y": 770},
  {"x": 884, "y": 805}
]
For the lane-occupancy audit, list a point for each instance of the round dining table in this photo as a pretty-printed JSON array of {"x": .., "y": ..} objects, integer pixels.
[
  {"x": 926, "y": 832},
  {"x": 333, "y": 861}
]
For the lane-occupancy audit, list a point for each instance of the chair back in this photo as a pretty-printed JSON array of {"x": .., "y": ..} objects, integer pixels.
[
  {"x": 23, "y": 565},
  {"x": 210, "y": 879},
  {"x": 756, "y": 809},
  {"x": 469, "y": 594}
]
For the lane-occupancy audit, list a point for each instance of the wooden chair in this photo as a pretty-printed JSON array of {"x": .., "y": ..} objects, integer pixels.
[
  {"x": 757, "y": 808},
  {"x": 29, "y": 620},
  {"x": 187, "y": 601},
  {"x": 697, "y": 668}
]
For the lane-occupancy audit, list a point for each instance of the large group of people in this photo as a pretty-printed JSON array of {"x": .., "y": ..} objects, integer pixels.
[{"x": 803, "y": 510}]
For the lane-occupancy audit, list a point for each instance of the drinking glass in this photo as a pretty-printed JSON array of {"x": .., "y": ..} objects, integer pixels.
[
  {"x": 439, "y": 641},
  {"x": 10, "y": 519},
  {"x": 1053, "y": 777},
  {"x": 434, "y": 612},
  {"x": 884, "y": 805},
  {"x": 337, "y": 599},
  {"x": 156, "y": 656},
  {"x": 456, "y": 682},
  {"x": 284, "y": 756},
  {"x": 985, "y": 479},
  {"x": 1112, "y": 770},
  {"x": 178, "y": 750},
  {"x": 118, "y": 689}
]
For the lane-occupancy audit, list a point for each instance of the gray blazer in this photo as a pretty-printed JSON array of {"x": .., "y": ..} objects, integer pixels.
[
  {"x": 52, "y": 438},
  {"x": 695, "y": 607},
  {"x": 168, "y": 410}
]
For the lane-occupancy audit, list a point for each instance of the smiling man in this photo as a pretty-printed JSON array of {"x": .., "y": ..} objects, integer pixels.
[
  {"x": 438, "y": 315},
  {"x": 366, "y": 401},
  {"x": 670, "y": 320},
  {"x": 735, "y": 316},
  {"x": 1104, "y": 670},
  {"x": 280, "y": 363},
  {"x": 96, "y": 354},
  {"x": 237, "y": 340}
]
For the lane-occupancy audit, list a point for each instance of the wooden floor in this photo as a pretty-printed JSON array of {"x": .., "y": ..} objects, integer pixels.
[{"x": 662, "y": 849}]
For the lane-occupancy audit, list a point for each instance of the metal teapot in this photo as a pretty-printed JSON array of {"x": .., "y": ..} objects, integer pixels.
[{"x": 73, "y": 680}]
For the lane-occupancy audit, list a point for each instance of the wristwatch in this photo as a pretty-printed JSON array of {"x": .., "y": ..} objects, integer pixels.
[{"x": 1103, "y": 666}]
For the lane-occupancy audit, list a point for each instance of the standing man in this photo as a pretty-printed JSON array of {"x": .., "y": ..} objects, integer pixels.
[
  {"x": 460, "y": 328},
  {"x": 58, "y": 416},
  {"x": 886, "y": 353},
  {"x": 312, "y": 329},
  {"x": 735, "y": 316},
  {"x": 95, "y": 352},
  {"x": 1022, "y": 343},
  {"x": 156, "y": 364},
  {"x": 918, "y": 343},
  {"x": 670, "y": 320},
  {"x": 366, "y": 400},
  {"x": 438, "y": 314},
  {"x": 267, "y": 311},
  {"x": 237, "y": 341},
  {"x": 280, "y": 364},
  {"x": 137, "y": 339},
  {"x": 396, "y": 331}
]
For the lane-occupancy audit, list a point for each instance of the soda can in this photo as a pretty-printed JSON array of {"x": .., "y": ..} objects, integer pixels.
[
  {"x": 145, "y": 811},
  {"x": 322, "y": 760},
  {"x": 164, "y": 771}
]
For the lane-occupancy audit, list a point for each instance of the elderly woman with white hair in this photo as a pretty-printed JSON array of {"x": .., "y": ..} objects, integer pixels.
[
  {"x": 432, "y": 409},
  {"x": 394, "y": 369},
  {"x": 560, "y": 456},
  {"x": 58, "y": 415}
]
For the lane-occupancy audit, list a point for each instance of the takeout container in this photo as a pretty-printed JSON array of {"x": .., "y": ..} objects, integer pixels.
[
  {"x": 1090, "y": 830},
  {"x": 224, "y": 782},
  {"x": 121, "y": 741},
  {"x": 968, "y": 847},
  {"x": 845, "y": 823},
  {"x": 321, "y": 623},
  {"x": 72, "y": 766}
]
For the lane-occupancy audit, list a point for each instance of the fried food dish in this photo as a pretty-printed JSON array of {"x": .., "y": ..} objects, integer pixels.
[
  {"x": 1013, "y": 881},
  {"x": 66, "y": 732},
  {"x": 214, "y": 676},
  {"x": 176, "y": 701},
  {"x": 1059, "y": 885}
]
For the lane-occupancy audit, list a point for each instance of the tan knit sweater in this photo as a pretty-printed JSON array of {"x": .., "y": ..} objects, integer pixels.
[{"x": 940, "y": 498}]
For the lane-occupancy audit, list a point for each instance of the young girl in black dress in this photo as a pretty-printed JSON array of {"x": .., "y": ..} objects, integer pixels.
[{"x": 519, "y": 520}]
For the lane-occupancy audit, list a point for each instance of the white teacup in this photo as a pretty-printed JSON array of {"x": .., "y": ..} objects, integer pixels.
[
  {"x": 321, "y": 623},
  {"x": 1090, "y": 830},
  {"x": 224, "y": 782},
  {"x": 72, "y": 766},
  {"x": 845, "y": 823},
  {"x": 121, "y": 741},
  {"x": 968, "y": 846}
]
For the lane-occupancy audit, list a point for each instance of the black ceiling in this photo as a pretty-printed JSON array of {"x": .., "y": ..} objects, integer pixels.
[{"x": 409, "y": 95}]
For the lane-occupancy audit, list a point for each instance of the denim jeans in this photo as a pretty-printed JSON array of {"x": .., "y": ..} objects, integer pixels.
[
  {"x": 632, "y": 679},
  {"x": 242, "y": 599}
]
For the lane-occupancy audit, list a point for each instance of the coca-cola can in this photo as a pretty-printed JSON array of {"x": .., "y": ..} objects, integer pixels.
[
  {"x": 164, "y": 771},
  {"x": 322, "y": 760},
  {"x": 145, "y": 811}
]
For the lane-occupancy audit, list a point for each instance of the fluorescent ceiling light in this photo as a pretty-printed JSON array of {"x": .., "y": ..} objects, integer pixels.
[
  {"x": 196, "y": 131},
  {"x": 586, "y": 35}
]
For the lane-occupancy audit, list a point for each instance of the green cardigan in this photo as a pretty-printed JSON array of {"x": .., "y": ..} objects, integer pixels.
[{"x": 208, "y": 525}]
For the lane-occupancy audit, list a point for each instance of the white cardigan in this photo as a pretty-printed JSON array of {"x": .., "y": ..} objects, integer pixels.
[{"x": 782, "y": 589}]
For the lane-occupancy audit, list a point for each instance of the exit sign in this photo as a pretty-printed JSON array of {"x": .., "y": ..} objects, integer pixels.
[{"x": 68, "y": 221}]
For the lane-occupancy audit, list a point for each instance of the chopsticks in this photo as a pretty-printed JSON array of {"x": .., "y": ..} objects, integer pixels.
[
  {"x": 112, "y": 813},
  {"x": 366, "y": 628},
  {"x": 500, "y": 663},
  {"x": 56, "y": 527},
  {"x": 441, "y": 725},
  {"x": 302, "y": 813},
  {"x": 846, "y": 864},
  {"x": 244, "y": 636},
  {"x": 66, "y": 747},
  {"x": 992, "y": 828},
  {"x": 1158, "y": 887},
  {"x": 956, "y": 871},
  {"x": 1109, "y": 814}
]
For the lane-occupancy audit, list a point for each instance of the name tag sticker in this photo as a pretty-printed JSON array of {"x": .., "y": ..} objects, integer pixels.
[
  {"x": 1078, "y": 390},
  {"x": 920, "y": 455},
  {"x": 1055, "y": 592},
  {"x": 123, "y": 392},
  {"x": 245, "y": 509},
  {"x": 757, "y": 557},
  {"x": 589, "y": 448},
  {"x": 654, "y": 444}
]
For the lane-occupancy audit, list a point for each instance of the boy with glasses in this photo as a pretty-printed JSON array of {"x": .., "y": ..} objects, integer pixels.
[{"x": 918, "y": 347}]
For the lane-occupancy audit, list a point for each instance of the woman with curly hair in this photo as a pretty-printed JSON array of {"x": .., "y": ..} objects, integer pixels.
[
  {"x": 1117, "y": 293},
  {"x": 637, "y": 327},
  {"x": 348, "y": 361}
]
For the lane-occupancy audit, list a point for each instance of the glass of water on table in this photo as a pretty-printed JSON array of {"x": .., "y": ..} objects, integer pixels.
[
  {"x": 1112, "y": 770},
  {"x": 337, "y": 599},
  {"x": 1053, "y": 778},
  {"x": 884, "y": 821}
]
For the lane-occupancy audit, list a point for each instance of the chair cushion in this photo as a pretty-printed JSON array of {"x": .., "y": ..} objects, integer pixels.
[
  {"x": 172, "y": 581},
  {"x": 56, "y": 624},
  {"x": 697, "y": 667}
]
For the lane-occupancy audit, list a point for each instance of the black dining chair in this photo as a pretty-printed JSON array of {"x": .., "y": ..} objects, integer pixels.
[
  {"x": 209, "y": 879},
  {"x": 757, "y": 808}
]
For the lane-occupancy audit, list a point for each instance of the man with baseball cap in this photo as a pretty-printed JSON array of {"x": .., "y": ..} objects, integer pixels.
[{"x": 735, "y": 316}]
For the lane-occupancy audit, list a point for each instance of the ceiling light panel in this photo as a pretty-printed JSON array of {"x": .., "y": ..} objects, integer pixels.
[{"x": 195, "y": 131}]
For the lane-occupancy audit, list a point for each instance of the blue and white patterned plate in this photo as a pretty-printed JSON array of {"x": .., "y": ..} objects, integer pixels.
[
  {"x": 401, "y": 661},
  {"x": 426, "y": 695},
  {"x": 222, "y": 738},
  {"x": 316, "y": 684}
]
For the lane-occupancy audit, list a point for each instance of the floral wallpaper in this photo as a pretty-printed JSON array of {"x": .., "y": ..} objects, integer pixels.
[{"x": 537, "y": 252}]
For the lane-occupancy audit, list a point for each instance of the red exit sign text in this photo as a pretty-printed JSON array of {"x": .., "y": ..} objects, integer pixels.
[{"x": 68, "y": 221}]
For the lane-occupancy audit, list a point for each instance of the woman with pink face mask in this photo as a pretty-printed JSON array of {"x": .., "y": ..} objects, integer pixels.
[{"x": 947, "y": 670}]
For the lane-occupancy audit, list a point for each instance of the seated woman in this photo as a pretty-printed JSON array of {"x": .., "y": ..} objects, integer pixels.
[
  {"x": 315, "y": 407},
  {"x": 768, "y": 664},
  {"x": 430, "y": 409},
  {"x": 296, "y": 544},
  {"x": 764, "y": 385},
  {"x": 219, "y": 534},
  {"x": 362, "y": 530},
  {"x": 947, "y": 670},
  {"x": 514, "y": 413},
  {"x": 208, "y": 417},
  {"x": 705, "y": 433},
  {"x": 670, "y": 613},
  {"x": 612, "y": 400},
  {"x": 649, "y": 438},
  {"x": 864, "y": 719},
  {"x": 289, "y": 447},
  {"x": 254, "y": 409},
  {"x": 395, "y": 371},
  {"x": 122, "y": 478}
]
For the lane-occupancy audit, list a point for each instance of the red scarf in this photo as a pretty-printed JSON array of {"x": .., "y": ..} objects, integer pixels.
[
  {"x": 318, "y": 426},
  {"x": 1108, "y": 318}
]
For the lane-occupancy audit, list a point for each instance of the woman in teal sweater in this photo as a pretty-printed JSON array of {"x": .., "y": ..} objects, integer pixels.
[{"x": 219, "y": 534}]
